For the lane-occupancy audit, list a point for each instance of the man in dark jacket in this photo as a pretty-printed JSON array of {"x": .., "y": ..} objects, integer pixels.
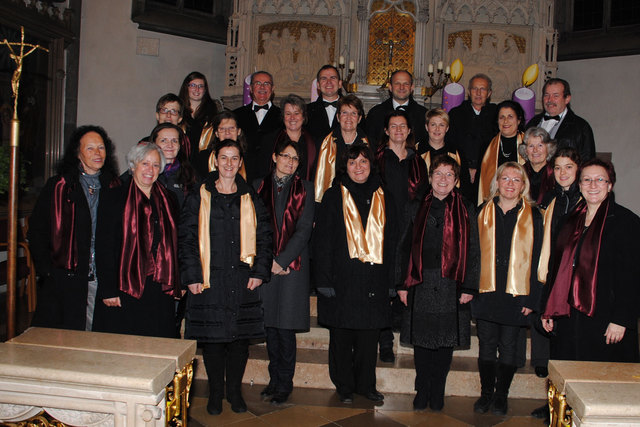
[
  {"x": 321, "y": 114},
  {"x": 568, "y": 129},
  {"x": 401, "y": 89},
  {"x": 473, "y": 123},
  {"x": 258, "y": 119}
]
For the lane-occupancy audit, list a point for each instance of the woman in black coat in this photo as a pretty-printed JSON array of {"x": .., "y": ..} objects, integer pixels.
[
  {"x": 285, "y": 298},
  {"x": 224, "y": 259},
  {"x": 510, "y": 234},
  {"x": 137, "y": 252},
  {"x": 353, "y": 267},
  {"x": 593, "y": 301},
  {"x": 62, "y": 230},
  {"x": 440, "y": 248}
]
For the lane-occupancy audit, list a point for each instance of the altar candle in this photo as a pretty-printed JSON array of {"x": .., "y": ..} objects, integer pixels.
[
  {"x": 430, "y": 68},
  {"x": 439, "y": 65},
  {"x": 246, "y": 90},
  {"x": 352, "y": 65},
  {"x": 527, "y": 100},
  {"x": 452, "y": 96},
  {"x": 447, "y": 70},
  {"x": 341, "y": 60}
]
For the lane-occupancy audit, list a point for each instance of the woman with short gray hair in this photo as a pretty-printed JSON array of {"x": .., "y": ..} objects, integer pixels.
[
  {"x": 537, "y": 150},
  {"x": 136, "y": 251}
]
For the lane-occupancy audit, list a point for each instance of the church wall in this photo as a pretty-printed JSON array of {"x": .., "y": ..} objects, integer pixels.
[
  {"x": 605, "y": 94},
  {"x": 118, "y": 89}
]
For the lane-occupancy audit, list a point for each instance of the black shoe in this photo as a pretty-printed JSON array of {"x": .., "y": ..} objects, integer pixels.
[
  {"x": 214, "y": 405},
  {"x": 500, "y": 405},
  {"x": 268, "y": 391},
  {"x": 279, "y": 398},
  {"x": 346, "y": 397},
  {"x": 387, "y": 356},
  {"x": 483, "y": 404},
  {"x": 542, "y": 371},
  {"x": 542, "y": 413},
  {"x": 421, "y": 401},
  {"x": 436, "y": 404},
  {"x": 375, "y": 396},
  {"x": 238, "y": 404}
]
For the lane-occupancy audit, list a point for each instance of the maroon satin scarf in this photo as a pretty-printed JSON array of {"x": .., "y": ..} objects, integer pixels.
[
  {"x": 136, "y": 259},
  {"x": 292, "y": 212},
  {"x": 417, "y": 171},
  {"x": 575, "y": 286},
  {"x": 307, "y": 139},
  {"x": 547, "y": 182},
  {"x": 64, "y": 248},
  {"x": 455, "y": 239}
]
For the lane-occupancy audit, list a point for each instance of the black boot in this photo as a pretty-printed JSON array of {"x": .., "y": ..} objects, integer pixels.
[
  {"x": 422, "y": 362},
  {"x": 213, "y": 356},
  {"x": 487, "y": 383},
  {"x": 440, "y": 369},
  {"x": 236, "y": 362},
  {"x": 505, "y": 376}
]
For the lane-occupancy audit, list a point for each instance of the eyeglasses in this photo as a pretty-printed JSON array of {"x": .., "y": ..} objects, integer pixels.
[
  {"x": 265, "y": 84},
  {"x": 506, "y": 179},
  {"x": 169, "y": 112},
  {"x": 227, "y": 130},
  {"x": 447, "y": 175},
  {"x": 587, "y": 181},
  {"x": 288, "y": 157},
  {"x": 196, "y": 86},
  {"x": 173, "y": 141}
]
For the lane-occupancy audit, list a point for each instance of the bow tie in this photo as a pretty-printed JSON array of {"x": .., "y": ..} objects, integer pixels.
[
  {"x": 401, "y": 108},
  {"x": 333, "y": 104},
  {"x": 260, "y": 107},
  {"x": 548, "y": 117}
]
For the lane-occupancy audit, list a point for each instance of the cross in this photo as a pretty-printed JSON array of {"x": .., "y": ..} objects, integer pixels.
[{"x": 17, "y": 58}]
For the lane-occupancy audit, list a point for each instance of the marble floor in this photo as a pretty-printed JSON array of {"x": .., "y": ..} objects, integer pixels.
[{"x": 315, "y": 408}]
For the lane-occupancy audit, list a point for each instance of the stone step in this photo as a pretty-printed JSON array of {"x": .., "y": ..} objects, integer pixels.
[{"x": 312, "y": 372}]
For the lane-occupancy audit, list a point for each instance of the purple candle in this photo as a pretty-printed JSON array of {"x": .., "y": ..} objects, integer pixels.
[
  {"x": 314, "y": 90},
  {"x": 527, "y": 100},
  {"x": 452, "y": 96},
  {"x": 246, "y": 90}
]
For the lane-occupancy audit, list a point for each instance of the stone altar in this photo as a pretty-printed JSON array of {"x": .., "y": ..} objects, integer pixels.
[
  {"x": 97, "y": 379},
  {"x": 589, "y": 394}
]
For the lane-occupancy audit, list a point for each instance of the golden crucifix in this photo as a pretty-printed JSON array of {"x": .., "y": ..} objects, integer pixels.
[
  {"x": 12, "y": 211},
  {"x": 18, "y": 58}
]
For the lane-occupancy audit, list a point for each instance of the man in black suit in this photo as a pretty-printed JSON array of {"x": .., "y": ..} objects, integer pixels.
[
  {"x": 568, "y": 129},
  {"x": 473, "y": 124},
  {"x": 321, "y": 114},
  {"x": 258, "y": 119},
  {"x": 401, "y": 89}
]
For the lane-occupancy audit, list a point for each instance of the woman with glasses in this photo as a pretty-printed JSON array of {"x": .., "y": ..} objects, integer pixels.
[
  {"x": 285, "y": 298},
  {"x": 350, "y": 113},
  {"x": 510, "y": 233},
  {"x": 199, "y": 111},
  {"x": 592, "y": 308},
  {"x": 440, "y": 248}
]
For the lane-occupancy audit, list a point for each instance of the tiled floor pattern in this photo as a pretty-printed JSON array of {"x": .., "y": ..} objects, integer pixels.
[{"x": 321, "y": 408}]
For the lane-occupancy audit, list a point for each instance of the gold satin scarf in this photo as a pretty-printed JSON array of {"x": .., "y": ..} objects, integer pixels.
[
  {"x": 455, "y": 156},
  {"x": 326, "y": 166},
  {"x": 248, "y": 224},
  {"x": 519, "y": 272},
  {"x": 212, "y": 165},
  {"x": 367, "y": 245},
  {"x": 489, "y": 166},
  {"x": 545, "y": 252},
  {"x": 205, "y": 137}
]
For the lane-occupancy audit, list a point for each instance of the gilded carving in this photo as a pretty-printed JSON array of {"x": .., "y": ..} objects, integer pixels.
[
  {"x": 391, "y": 44},
  {"x": 178, "y": 396},
  {"x": 294, "y": 50}
]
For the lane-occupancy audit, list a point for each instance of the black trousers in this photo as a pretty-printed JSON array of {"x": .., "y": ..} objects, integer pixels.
[
  {"x": 225, "y": 360},
  {"x": 352, "y": 359},
  {"x": 495, "y": 337},
  {"x": 432, "y": 368},
  {"x": 281, "y": 346}
]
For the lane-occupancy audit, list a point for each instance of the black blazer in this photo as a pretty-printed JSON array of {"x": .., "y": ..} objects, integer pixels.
[
  {"x": 254, "y": 133},
  {"x": 375, "y": 121},
  {"x": 318, "y": 121},
  {"x": 574, "y": 131}
]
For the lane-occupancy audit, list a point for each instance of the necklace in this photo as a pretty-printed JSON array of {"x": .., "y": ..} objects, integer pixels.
[{"x": 502, "y": 150}]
